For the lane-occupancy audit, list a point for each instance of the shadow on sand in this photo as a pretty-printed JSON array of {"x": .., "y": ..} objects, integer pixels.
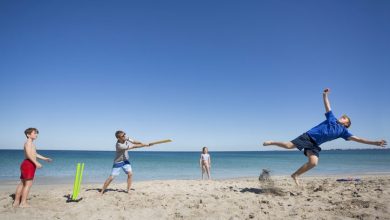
[
  {"x": 12, "y": 196},
  {"x": 269, "y": 190},
  {"x": 109, "y": 190}
]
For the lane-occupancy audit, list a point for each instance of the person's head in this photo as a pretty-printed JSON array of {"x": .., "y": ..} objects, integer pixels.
[
  {"x": 345, "y": 120},
  {"x": 120, "y": 135},
  {"x": 31, "y": 133},
  {"x": 205, "y": 150}
]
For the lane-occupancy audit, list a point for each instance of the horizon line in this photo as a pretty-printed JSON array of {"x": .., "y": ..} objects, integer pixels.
[{"x": 334, "y": 149}]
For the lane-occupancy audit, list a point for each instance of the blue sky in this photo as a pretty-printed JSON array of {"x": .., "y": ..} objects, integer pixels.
[{"x": 223, "y": 74}]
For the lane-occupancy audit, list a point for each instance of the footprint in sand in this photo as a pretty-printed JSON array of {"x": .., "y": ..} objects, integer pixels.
[{"x": 318, "y": 189}]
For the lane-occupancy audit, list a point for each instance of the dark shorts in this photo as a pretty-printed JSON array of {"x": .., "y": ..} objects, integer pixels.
[{"x": 307, "y": 144}]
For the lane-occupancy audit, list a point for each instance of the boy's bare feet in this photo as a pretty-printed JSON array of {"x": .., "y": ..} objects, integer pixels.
[
  {"x": 267, "y": 143},
  {"x": 295, "y": 178},
  {"x": 15, "y": 204},
  {"x": 25, "y": 205}
]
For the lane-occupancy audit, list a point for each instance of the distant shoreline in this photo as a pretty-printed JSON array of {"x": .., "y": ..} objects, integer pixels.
[{"x": 335, "y": 149}]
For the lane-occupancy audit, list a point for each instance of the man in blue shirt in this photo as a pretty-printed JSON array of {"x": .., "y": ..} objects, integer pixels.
[{"x": 328, "y": 130}]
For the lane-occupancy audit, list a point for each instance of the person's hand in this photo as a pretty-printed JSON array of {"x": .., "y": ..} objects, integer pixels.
[
  {"x": 326, "y": 91},
  {"x": 38, "y": 165},
  {"x": 48, "y": 160},
  {"x": 150, "y": 144},
  {"x": 381, "y": 143}
]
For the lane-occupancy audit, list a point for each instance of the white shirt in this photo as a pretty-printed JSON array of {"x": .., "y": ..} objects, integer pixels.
[
  {"x": 205, "y": 157},
  {"x": 121, "y": 151}
]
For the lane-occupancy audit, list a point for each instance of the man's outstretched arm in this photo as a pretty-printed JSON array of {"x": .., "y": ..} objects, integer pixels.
[
  {"x": 381, "y": 143},
  {"x": 326, "y": 100}
]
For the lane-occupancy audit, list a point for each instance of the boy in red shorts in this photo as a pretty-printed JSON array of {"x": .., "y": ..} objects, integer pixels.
[{"x": 27, "y": 168}]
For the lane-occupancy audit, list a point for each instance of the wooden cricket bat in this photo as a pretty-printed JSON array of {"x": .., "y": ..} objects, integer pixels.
[{"x": 161, "y": 142}]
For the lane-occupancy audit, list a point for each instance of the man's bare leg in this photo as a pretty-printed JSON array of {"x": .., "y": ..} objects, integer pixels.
[
  {"x": 286, "y": 145},
  {"x": 313, "y": 161},
  {"x": 18, "y": 194},
  {"x": 25, "y": 191},
  {"x": 106, "y": 183},
  {"x": 129, "y": 181}
]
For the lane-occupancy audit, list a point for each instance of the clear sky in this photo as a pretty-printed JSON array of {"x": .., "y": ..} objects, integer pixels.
[{"x": 223, "y": 74}]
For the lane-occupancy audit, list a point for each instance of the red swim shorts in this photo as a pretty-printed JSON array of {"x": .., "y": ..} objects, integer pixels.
[{"x": 27, "y": 170}]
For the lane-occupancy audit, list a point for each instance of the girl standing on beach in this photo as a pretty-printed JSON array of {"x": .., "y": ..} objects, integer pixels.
[{"x": 205, "y": 162}]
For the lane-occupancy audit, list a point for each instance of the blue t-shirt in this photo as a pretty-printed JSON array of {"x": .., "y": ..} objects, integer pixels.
[{"x": 328, "y": 130}]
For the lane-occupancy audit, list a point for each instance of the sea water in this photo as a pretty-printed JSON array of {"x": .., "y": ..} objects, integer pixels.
[{"x": 185, "y": 165}]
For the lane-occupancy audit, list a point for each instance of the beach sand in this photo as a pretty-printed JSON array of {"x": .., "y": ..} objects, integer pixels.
[{"x": 318, "y": 198}]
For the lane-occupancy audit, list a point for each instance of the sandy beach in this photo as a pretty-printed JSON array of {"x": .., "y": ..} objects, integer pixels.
[{"x": 280, "y": 198}]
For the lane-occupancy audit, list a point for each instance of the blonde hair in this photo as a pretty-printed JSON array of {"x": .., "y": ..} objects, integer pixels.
[{"x": 349, "y": 120}]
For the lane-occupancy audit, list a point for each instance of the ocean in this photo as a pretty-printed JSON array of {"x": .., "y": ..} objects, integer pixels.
[{"x": 185, "y": 165}]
